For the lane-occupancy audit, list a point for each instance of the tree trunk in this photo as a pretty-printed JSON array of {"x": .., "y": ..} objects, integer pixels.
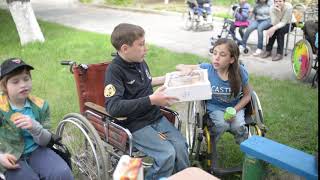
[{"x": 25, "y": 20}]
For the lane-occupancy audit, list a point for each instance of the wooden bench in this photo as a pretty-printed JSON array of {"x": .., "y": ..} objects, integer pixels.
[{"x": 282, "y": 156}]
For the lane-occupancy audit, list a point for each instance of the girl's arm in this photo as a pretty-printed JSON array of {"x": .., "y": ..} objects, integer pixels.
[
  {"x": 245, "y": 99},
  {"x": 158, "y": 81},
  {"x": 187, "y": 69}
]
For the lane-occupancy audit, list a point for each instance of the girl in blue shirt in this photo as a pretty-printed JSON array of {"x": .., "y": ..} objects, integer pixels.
[{"x": 229, "y": 82}]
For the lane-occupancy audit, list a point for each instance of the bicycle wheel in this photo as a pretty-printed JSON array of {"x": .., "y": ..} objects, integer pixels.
[
  {"x": 88, "y": 155},
  {"x": 301, "y": 59}
]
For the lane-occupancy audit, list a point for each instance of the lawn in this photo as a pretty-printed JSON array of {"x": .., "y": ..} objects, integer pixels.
[{"x": 290, "y": 108}]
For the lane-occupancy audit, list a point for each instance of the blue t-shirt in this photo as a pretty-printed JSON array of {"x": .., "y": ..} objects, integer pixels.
[
  {"x": 221, "y": 90},
  {"x": 29, "y": 144}
]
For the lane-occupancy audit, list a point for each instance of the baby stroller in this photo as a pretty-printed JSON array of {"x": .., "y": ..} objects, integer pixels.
[
  {"x": 198, "y": 16},
  {"x": 226, "y": 31}
]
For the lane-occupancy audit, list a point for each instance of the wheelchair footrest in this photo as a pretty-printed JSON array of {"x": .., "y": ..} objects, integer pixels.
[{"x": 225, "y": 171}]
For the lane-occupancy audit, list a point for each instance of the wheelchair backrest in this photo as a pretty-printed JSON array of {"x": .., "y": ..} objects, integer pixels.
[
  {"x": 90, "y": 83},
  {"x": 90, "y": 87}
]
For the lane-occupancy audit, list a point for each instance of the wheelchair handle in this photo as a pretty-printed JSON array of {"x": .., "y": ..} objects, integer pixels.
[
  {"x": 66, "y": 62},
  {"x": 69, "y": 63}
]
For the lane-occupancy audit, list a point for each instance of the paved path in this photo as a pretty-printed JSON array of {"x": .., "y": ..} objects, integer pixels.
[{"x": 162, "y": 29}]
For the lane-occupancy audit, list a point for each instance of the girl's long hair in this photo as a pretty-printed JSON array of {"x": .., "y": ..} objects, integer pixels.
[{"x": 234, "y": 75}]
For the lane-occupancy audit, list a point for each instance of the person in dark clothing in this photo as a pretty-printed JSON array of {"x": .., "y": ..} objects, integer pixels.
[
  {"x": 128, "y": 93},
  {"x": 280, "y": 14}
]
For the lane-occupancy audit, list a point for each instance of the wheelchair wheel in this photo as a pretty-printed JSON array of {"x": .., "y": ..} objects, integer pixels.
[
  {"x": 259, "y": 128},
  {"x": 188, "y": 20},
  {"x": 257, "y": 108},
  {"x": 88, "y": 155},
  {"x": 198, "y": 137},
  {"x": 194, "y": 123},
  {"x": 191, "y": 125},
  {"x": 255, "y": 130},
  {"x": 301, "y": 59}
]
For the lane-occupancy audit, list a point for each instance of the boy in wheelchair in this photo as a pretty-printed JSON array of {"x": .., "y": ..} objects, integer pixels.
[
  {"x": 229, "y": 80},
  {"x": 128, "y": 93},
  {"x": 24, "y": 124},
  {"x": 202, "y": 8}
]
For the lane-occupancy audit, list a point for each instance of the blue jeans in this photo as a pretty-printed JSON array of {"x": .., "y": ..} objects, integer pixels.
[
  {"x": 236, "y": 127},
  {"x": 260, "y": 25},
  {"x": 42, "y": 163},
  {"x": 170, "y": 155}
]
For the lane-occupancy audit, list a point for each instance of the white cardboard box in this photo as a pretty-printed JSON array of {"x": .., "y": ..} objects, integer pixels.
[{"x": 193, "y": 87}]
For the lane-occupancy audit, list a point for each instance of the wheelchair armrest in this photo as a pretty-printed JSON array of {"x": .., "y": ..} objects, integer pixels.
[
  {"x": 112, "y": 133},
  {"x": 55, "y": 139},
  {"x": 172, "y": 116},
  {"x": 249, "y": 108},
  {"x": 102, "y": 110}
]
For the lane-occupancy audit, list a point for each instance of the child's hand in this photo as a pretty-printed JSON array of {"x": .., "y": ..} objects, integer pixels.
[
  {"x": 161, "y": 99},
  {"x": 270, "y": 33},
  {"x": 277, "y": 8},
  {"x": 8, "y": 161},
  {"x": 231, "y": 119},
  {"x": 23, "y": 122},
  {"x": 183, "y": 69}
]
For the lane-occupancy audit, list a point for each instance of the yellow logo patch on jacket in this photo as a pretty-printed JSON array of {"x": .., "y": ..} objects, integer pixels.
[{"x": 109, "y": 90}]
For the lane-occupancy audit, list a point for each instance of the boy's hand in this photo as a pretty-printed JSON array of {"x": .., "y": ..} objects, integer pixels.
[
  {"x": 23, "y": 122},
  {"x": 159, "y": 98},
  {"x": 8, "y": 161}
]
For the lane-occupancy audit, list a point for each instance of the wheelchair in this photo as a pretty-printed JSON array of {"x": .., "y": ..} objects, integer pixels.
[
  {"x": 202, "y": 147},
  {"x": 226, "y": 33},
  {"x": 94, "y": 140},
  {"x": 198, "y": 17},
  {"x": 304, "y": 58}
]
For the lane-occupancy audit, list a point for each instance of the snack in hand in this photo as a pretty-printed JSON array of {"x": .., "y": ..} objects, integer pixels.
[
  {"x": 15, "y": 116},
  {"x": 129, "y": 168}
]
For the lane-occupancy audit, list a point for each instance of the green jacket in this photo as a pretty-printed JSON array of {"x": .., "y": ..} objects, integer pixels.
[{"x": 11, "y": 139}]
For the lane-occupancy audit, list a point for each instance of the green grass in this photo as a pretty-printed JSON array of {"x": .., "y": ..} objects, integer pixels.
[{"x": 290, "y": 109}]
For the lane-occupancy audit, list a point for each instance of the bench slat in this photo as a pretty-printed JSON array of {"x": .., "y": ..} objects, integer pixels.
[{"x": 282, "y": 156}]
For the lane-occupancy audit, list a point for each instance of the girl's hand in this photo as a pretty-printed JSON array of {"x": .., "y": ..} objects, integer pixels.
[
  {"x": 8, "y": 161},
  {"x": 277, "y": 8},
  {"x": 23, "y": 122},
  {"x": 231, "y": 119},
  {"x": 270, "y": 32},
  {"x": 184, "y": 69}
]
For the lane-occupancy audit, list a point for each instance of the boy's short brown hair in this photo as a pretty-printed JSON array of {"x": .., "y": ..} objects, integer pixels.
[{"x": 125, "y": 33}]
